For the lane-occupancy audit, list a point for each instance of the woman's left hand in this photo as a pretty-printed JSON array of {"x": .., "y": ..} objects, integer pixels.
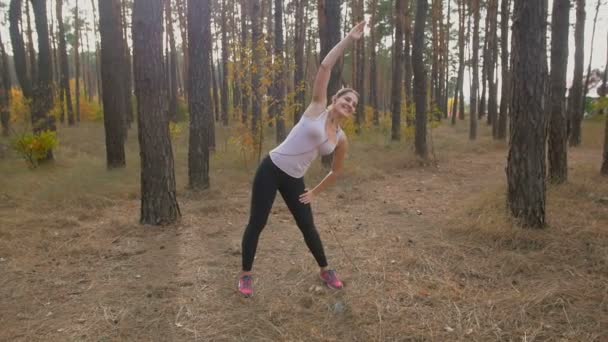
[{"x": 307, "y": 197}]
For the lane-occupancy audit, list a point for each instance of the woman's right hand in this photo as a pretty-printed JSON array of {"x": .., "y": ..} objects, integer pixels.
[{"x": 357, "y": 32}]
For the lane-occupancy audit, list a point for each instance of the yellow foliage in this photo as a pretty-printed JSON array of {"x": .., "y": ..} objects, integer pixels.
[{"x": 19, "y": 107}]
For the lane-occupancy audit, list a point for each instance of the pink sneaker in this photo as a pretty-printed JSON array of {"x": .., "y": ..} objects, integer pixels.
[
  {"x": 246, "y": 285},
  {"x": 330, "y": 278}
]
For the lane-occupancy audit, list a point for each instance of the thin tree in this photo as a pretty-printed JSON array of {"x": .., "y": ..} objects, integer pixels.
[
  {"x": 575, "y": 137},
  {"x": 459, "y": 79},
  {"x": 475, "y": 81},
  {"x": 399, "y": 18},
  {"x": 373, "y": 73},
  {"x": 77, "y": 60},
  {"x": 172, "y": 70},
  {"x": 199, "y": 98},
  {"x": 5, "y": 88},
  {"x": 604, "y": 169},
  {"x": 32, "y": 67},
  {"x": 65, "y": 96},
  {"x": 257, "y": 63},
  {"x": 526, "y": 159},
  {"x": 558, "y": 138},
  {"x": 575, "y": 95},
  {"x": 278, "y": 85},
  {"x": 298, "y": 76},
  {"x": 505, "y": 12},
  {"x": 225, "y": 53},
  {"x": 420, "y": 79},
  {"x": 112, "y": 70},
  {"x": 408, "y": 73},
  {"x": 492, "y": 57},
  {"x": 360, "y": 84},
  {"x": 128, "y": 77},
  {"x": 158, "y": 194},
  {"x": 245, "y": 60}
]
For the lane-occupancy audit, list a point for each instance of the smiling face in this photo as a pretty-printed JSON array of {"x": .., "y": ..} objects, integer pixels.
[{"x": 345, "y": 103}]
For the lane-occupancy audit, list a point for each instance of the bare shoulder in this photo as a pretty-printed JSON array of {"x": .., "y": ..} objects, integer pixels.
[{"x": 313, "y": 110}]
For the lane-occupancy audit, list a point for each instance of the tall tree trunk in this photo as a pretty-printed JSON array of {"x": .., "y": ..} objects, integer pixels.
[
  {"x": 19, "y": 56},
  {"x": 604, "y": 169},
  {"x": 5, "y": 88},
  {"x": 43, "y": 91},
  {"x": 199, "y": 99},
  {"x": 526, "y": 160},
  {"x": 575, "y": 95},
  {"x": 299, "y": 82},
  {"x": 128, "y": 79},
  {"x": 225, "y": 70},
  {"x": 172, "y": 72},
  {"x": 475, "y": 82},
  {"x": 484, "y": 72},
  {"x": 435, "y": 46},
  {"x": 257, "y": 63},
  {"x": 492, "y": 54},
  {"x": 245, "y": 61},
  {"x": 64, "y": 71},
  {"x": 183, "y": 29},
  {"x": 575, "y": 138},
  {"x": 420, "y": 79},
  {"x": 399, "y": 17},
  {"x": 373, "y": 73},
  {"x": 30, "y": 45},
  {"x": 112, "y": 71},
  {"x": 447, "y": 62},
  {"x": 329, "y": 32},
  {"x": 158, "y": 192},
  {"x": 77, "y": 60},
  {"x": 278, "y": 85},
  {"x": 558, "y": 138},
  {"x": 460, "y": 77},
  {"x": 360, "y": 85},
  {"x": 408, "y": 73},
  {"x": 54, "y": 50},
  {"x": 89, "y": 74},
  {"x": 98, "y": 52},
  {"x": 504, "y": 64}
]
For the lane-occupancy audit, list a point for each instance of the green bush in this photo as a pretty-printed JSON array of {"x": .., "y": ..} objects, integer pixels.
[{"x": 35, "y": 147}]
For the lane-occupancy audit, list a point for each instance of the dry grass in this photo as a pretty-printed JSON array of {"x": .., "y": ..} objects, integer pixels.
[{"x": 427, "y": 252}]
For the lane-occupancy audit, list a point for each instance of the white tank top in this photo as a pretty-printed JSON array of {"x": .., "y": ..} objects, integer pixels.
[{"x": 307, "y": 139}]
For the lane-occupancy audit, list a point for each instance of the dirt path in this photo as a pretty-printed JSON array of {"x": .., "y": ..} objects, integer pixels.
[{"x": 99, "y": 275}]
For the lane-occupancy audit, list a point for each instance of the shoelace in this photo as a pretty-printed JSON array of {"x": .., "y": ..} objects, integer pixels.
[{"x": 247, "y": 280}]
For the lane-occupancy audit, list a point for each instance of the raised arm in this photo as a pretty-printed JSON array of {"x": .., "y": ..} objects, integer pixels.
[{"x": 319, "y": 89}]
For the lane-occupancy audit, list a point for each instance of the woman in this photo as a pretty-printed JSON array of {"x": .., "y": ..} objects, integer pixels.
[{"x": 317, "y": 132}]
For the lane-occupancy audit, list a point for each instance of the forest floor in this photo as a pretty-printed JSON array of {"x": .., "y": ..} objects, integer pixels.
[{"x": 427, "y": 253}]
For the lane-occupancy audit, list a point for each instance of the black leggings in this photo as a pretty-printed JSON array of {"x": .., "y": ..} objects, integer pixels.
[{"x": 268, "y": 179}]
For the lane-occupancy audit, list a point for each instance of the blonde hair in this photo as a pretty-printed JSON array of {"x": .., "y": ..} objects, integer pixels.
[{"x": 343, "y": 92}]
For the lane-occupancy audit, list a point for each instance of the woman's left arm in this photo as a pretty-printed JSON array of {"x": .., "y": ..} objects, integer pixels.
[{"x": 336, "y": 170}]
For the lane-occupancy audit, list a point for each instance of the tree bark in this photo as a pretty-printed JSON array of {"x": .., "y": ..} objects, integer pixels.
[
  {"x": 526, "y": 159},
  {"x": 225, "y": 71},
  {"x": 43, "y": 90},
  {"x": 19, "y": 56},
  {"x": 30, "y": 45},
  {"x": 399, "y": 19},
  {"x": 77, "y": 60},
  {"x": 459, "y": 80},
  {"x": 604, "y": 169},
  {"x": 475, "y": 82},
  {"x": 420, "y": 79},
  {"x": 199, "y": 99},
  {"x": 299, "y": 82},
  {"x": 492, "y": 55},
  {"x": 128, "y": 78},
  {"x": 360, "y": 85},
  {"x": 278, "y": 86},
  {"x": 575, "y": 95},
  {"x": 158, "y": 192},
  {"x": 5, "y": 88},
  {"x": 329, "y": 32},
  {"x": 172, "y": 72},
  {"x": 112, "y": 73},
  {"x": 373, "y": 73},
  {"x": 245, "y": 61},
  {"x": 504, "y": 64},
  {"x": 558, "y": 138},
  {"x": 257, "y": 63},
  {"x": 408, "y": 73}
]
